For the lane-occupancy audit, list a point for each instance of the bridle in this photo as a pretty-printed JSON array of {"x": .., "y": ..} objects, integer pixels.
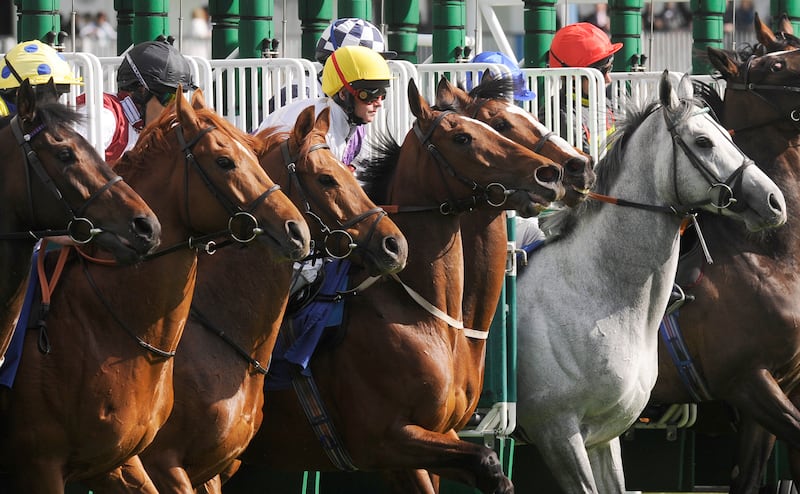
[
  {"x": 240, "y": 220},
  {"x": 480, "y": 194},
  {"x": 342, "y": 226},
  {"x": 792, "y": 115},
  {"x": 80, "y": 229}
]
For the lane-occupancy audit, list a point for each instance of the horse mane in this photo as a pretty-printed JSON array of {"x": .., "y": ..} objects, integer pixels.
[
  {"x": 376, "y": 173},
  {"x": 710, "y": 98},
  {"x": 562, "y": 222},
  {"x": 494, "y": 88},
  {"x": 271, "y": 137},
  {"x": 52, "y": 114}
]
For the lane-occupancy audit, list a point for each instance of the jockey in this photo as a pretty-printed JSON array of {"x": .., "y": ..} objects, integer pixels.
[
  {"x": 354, "y": 80},
  {"x": 147, "y": 81},
  {"x": 37, "y": 62},
  {"x": 584, "y": 45}
]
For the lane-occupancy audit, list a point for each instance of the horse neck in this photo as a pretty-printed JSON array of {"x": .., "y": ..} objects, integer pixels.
[
  {"x": 15, "y": 266},
  {"x": 484, "y": 238}
]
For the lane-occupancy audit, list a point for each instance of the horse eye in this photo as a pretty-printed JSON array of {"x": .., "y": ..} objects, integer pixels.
[
  {"x": 225, "y": 162},
  {"x": 704, "y": 142},
  {"x": 776, "y": 67},
  {"x": 326, "y": 180},
  {"x": 502, "y": 125},
  {"x": 65, "y": 155},
  {"x": 462, "y": 139}
]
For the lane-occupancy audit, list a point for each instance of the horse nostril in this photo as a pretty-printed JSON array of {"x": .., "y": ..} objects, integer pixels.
[
  {"x": 298, "y": 232},
  {"x": 391, "y": 246},
  {"x": 576, "y": 166},
  {"x": 775, "y": 204},
  {"x": 145, "y": 228},
  {"x": 548, "y": 173}
]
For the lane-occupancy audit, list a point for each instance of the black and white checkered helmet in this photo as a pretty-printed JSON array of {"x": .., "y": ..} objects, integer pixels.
[{"x": 350, "y": 31}]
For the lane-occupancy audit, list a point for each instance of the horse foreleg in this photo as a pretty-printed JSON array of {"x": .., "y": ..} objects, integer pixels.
[
  {"x": 168, "y": 474},
  {"x": 760, "y": 397},
  {"x": 755, "y": 446},
  {"x": 413, "y": 447},
  {"x": 229, "y": 471},
  {"x": 213, "y": 486},
  {"x": 606, "y": 461},
  {"x": 565, "y": 455},
  {"x": 128, "y": 478},
  {"x": 37, "y": 477}
]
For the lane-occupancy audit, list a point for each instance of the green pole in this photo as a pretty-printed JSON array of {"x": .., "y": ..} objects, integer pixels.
[
  {"x": 355, "y": 8},
  {"x": 315, "y": 15},
  {"x": 256, "y": 28},
  {"x": 225, "y": 23},
  {"x": 449, "y": 19},
  {"x": 124, "y": 10},
  {"x": 150, "y": 20},
  {"x": 36, "y": 18},
  {"x": 540, "y": 26},
  {"x": 790, "y": 7},
  {"x": 403, "y": 20},
  {"x": 626, "y": 28},
  {"x": 706, "y": 31}
]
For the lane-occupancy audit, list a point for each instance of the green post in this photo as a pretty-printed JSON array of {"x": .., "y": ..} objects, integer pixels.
[
  {"x": 449, "y": 19},
  {"x": 540, "y": 27},
  {"x": 790, "y": 7},
  {"x": 707, "y": 30},
  {"x": 355, "y": 8},
  {"x": 225, "y": 22},
  {"x": 315, "y": 15},
  {"x": 403, "y": 20},
  {"x": 124, "y": 10},
  {"x": 36, "y": 18},
  {"x": 150, "y": 20},
  {"x": 256, "y": 29},
  {"x": 626, "y": 28}
]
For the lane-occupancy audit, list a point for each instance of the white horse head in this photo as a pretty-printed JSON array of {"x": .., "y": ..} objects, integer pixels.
[{"x": 590, "y": 302}]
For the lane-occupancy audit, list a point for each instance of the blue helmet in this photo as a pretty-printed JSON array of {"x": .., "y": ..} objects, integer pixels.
[{"x": 521, "y": 92}]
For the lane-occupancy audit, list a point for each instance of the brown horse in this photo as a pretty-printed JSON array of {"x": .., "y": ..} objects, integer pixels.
[
  {"x": 56, "y": 184},
  {"x": 100, "y": 392},
  {"x": 239, "y": 303},
  {"x": 389, "y": 382},
  {"x": 748, "y": 297}
]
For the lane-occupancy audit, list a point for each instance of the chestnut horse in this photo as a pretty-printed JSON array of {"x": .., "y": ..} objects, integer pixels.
[
  {"x": 388, "y": 384},
  {"x": 239, "y": 303},
  {"x": 56, "y": 184},
  {"x": 748, "y": 297},
  {"x": 591, "y": 368},
  {"x": 103, "y": 388}
]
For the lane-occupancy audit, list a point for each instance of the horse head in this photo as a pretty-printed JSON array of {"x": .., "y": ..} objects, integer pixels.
[
  {"x": 61, "y": 182},
  {"x": 769, "y": 41},
  {"x": 724, "y": 179},
  {"x": 209, "y": 166},
  {"x": 471, "y": 157},
  {"x": 344, "y": 222},
  {"x": 489, "y": 101}
]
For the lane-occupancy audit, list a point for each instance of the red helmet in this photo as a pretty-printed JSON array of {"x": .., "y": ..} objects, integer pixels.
[{"x": 580, "y": 45}]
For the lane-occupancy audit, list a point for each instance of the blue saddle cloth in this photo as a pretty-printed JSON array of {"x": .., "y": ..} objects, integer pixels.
[
  {"x": 307, "y": 326},
  {"x": 8, "y": 371}
]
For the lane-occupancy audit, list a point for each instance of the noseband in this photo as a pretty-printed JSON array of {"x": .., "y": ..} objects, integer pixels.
[
  {"x": 291, "y": 166},
  {"x": 77, "y": 223}
]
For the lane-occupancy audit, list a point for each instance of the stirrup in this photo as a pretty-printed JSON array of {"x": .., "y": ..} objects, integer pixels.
[{"x": 676, "y": 299}]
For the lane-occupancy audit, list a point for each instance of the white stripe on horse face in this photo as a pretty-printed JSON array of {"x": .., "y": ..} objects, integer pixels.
[{"x": 559, "y": 141}]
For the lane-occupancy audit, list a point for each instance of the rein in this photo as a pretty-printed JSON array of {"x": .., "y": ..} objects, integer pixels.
[
  {"x": 291, "y": 166},
  {"x": 76, "y": 221}
]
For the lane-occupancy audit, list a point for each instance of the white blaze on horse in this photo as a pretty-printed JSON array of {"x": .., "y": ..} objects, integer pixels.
[{"x": 591, "y": 299}]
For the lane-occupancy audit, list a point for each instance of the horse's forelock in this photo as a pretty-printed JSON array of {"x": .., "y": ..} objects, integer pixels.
[
  {"x": 377, "y": 173},
  {"x": 495, "y": 88}
]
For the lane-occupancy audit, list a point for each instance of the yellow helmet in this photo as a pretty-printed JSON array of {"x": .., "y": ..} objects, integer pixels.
[
  {"x": 354, "y": 67},
  {"x": 37, "y": 62}
]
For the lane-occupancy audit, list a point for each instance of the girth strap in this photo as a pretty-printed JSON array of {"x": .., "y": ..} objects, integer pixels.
[{"x": 675, "y": 344}]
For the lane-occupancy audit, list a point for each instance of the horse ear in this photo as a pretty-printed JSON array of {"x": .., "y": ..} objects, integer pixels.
[
  {"x": 185, "y": 112},
  {"x": 685, "y": 88},
  {"x": 487, "y": 76},
  {"x": 764, "y": 34},
  {"x": 304, "y": 124},
  {"x": 723, "y": 62},
  {"x": 445, "y": 97},
  {"x": 419, "y": 107},
  {"x": 785, "y": 25},
  {"x": 668, "y": 96},
  {"x": 198, "y": 99},
  {"x": 47, "y": 93},
  {"x": 26, "y": 101},
  {"x": 323, "y": 121}
]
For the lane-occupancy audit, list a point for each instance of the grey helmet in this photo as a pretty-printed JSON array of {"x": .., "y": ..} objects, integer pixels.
[
  {"x": 351, "y": 31},
  {"x": 157, "y": 66}
]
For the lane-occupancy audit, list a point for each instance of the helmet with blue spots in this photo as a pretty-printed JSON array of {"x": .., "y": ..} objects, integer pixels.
[{"x": 37, "y": 62}]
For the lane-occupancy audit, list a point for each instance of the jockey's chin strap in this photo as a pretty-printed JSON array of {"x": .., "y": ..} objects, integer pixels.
[{"x": 792, "y": 115}]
